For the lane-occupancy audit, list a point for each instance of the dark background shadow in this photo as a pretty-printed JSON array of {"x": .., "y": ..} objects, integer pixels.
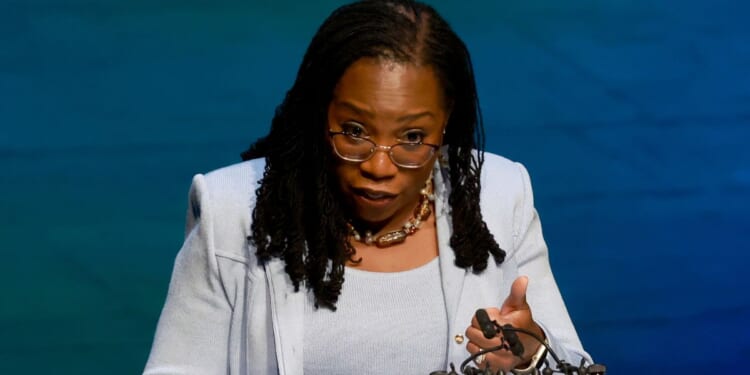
[{"x": 632, "y": 118}]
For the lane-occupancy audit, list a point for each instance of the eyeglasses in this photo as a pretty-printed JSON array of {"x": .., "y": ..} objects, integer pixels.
[{"x": 358, "y": 149}]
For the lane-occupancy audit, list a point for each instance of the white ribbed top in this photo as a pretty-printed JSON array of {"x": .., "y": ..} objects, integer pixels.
[{"x": 385, "y": 323}]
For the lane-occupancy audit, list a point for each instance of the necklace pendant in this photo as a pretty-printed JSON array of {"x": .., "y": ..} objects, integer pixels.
[
  {"x": 391, "y": 238},
  {"x": 368, "y": 237},
  {"x": 421, "y": 213}
]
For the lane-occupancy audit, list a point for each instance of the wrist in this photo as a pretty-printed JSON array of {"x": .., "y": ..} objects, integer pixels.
[
  {"x": 533, "y": 358},
  {"x": 535, "y": 362}
]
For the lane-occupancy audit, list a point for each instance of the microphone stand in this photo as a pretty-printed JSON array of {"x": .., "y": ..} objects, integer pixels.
[{"x": 509, "y": 341}]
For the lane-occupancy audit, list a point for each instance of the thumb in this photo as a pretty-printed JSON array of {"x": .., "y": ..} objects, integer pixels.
[{"x": 517, "y": 298}]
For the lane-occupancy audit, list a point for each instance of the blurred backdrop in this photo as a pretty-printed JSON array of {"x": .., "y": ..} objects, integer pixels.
[{"x": 632, "y": 116}]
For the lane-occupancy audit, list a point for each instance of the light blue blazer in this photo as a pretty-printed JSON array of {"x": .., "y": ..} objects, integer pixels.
[{"x": 226, "y": 314}]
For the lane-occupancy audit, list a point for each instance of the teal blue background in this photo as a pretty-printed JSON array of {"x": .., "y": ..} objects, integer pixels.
[{"x": 632, "y": 117}]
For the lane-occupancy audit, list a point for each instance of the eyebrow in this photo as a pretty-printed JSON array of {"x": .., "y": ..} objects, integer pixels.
[{"x": 368, "y": 113}]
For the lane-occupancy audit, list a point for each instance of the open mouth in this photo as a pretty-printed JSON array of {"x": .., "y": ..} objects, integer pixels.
[{"x": 374, "y": 196}]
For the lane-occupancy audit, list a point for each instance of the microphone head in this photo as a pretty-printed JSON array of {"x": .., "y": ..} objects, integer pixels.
[
  {"x": 597, "y": 369},
  {"x": 488, "y": 327},
  {"x": 440, "y": 372},
  {"x": 516, "y": 347}
]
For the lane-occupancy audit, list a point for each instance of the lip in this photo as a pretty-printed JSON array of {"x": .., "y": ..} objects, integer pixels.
[{"x": 373, "y": 198}]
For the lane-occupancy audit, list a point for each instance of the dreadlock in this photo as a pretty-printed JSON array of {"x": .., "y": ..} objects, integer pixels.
[{"x": 298, "y": 216}]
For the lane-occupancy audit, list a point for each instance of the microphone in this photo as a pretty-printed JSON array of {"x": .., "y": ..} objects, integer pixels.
[
  {"x": 488, "y": 327},
  {"x": 512, "y": 343},
  {"x": 509, "y": 333},
  {"x": 490, "y": 330}
]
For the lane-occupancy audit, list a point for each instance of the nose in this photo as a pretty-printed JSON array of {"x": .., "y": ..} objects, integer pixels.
[{"x": 379, "y": 166}]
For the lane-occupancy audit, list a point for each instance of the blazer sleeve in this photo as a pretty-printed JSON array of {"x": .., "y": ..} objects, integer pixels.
[
  {"x": 547, "y": 306},
  {"x": 193, "y": 329}
]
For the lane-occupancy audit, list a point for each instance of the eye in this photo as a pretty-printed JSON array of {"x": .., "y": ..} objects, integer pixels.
[
  {"x": 353, "y": 129},
  {"x": 413, "y": 136}
]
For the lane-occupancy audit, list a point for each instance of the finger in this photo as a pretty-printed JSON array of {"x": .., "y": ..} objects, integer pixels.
[
  {"x": 475, "y": 336},
  {"x": 492, "y": 312},
  {"x": 474, "y": 349},
  {"x": 517, "y": 298},
  {"x": 495, "y": 360}
]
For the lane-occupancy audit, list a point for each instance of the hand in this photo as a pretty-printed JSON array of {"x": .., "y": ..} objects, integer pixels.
[{"x": 515, "y": 311}]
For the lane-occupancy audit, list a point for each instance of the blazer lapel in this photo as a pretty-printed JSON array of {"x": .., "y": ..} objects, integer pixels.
[
  {"x": 452, "y": 276},
  {"x": 287, "y": 309}
]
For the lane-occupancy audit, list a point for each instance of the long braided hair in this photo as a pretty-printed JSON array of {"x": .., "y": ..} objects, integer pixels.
[{"x": 298, "y": 216}]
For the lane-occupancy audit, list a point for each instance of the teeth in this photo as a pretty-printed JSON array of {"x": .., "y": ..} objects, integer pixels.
[{"x": 375, "y": 196}]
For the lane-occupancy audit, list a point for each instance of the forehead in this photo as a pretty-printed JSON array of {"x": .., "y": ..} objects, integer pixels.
[{"x": 385, "y": 88}]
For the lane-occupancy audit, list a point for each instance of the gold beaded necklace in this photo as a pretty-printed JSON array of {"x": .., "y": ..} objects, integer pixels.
[{"x": 421, "y": 213}]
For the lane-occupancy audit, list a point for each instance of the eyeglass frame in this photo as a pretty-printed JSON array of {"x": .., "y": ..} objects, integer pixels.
[{"x": 375, "y": 147}]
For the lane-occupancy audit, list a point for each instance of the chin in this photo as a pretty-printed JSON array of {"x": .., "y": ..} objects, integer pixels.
[{"x": 374, "y": 218}]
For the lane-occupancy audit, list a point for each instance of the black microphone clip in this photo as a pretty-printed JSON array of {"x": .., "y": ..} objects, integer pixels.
[{"x": 489, "y": 327}]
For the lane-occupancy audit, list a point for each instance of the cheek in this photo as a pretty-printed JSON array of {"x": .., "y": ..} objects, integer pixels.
[
  {"x": 345, "y": 173},
  {"x": 426, "y": 171},
  {"x": 416, "y": 181}
]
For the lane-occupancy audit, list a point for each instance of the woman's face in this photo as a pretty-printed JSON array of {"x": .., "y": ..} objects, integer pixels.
[{"x": 388, "y": 103}]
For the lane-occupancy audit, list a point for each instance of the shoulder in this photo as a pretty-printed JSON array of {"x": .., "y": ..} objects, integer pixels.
[
  {"x": 502, "y": 177},
  {"x": 224, "y": 199},
  {"x": 505, "y": 197},
  {"x": 233, "y": 181}
]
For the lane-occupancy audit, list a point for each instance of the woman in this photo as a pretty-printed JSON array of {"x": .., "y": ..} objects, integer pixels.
[{"x": 372, "y": 173}]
